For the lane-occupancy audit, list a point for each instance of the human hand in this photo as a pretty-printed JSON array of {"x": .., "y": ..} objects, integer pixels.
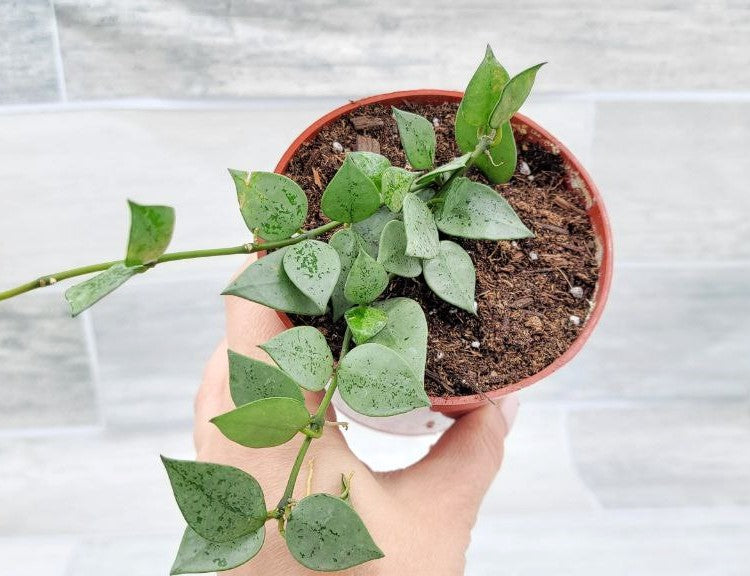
[{"x": 420, "y": 517}]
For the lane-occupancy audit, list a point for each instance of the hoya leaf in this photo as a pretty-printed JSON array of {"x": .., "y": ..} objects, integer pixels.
[
  {"x": 324, "y": 533},
  {"x": 483, "y": 90},
  {"x": 366, "y": 281},
  {"x": 444, "y": 170},
  {"x": 405, "y": 332},
  {"x": 263, "y": 423},
  {"x": 500, "y": 165},
  {"x": 513, "y": 96},
  {"x": 417, "y": 138},
  {"x": 272, "y": 205},
  {"x": 313, "y": 266},
  {"x": 350, "y": 195},
  {"x": 372, "y": 164},
  {"x": 221, "y": 503},
  {"x": 376, "y": 381},
  {"x": 395, "y": 185},
  {"x": 302, "y": 353},
  {"x": 197, "y": 555},
  {"x": 365, "y": 322},
  {"x": 266, "y": 282},
  {"x": 392, "y": 252},
  {"x": 251, "y": 379},
  {"x": 473, "y": 210},
  {"x": 347, "y": 245},
  {"x": 151, "y": 230},
  {"x": 422, "y": 240},
  {"x": 451, "y": 276},
  {"x": 370, "y": 229},
  {"x": 89, "y": 292}
]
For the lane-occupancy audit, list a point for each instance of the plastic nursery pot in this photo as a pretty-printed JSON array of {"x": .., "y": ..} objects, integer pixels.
[{"x": 433, "y": 419}]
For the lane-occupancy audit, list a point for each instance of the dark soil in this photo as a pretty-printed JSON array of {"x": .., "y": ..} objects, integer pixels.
[{"x": 523, "y": 287}]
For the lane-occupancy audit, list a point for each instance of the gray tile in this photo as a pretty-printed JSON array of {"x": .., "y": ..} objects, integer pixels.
[
  {"x": 672, "y": 175},
  {"x": 124, "y": 555},
  {"x": 27, "y": 52},
  {"x": 665, "y": 455},
  {"x": 34, "y": 555},
  {"x": 45, "y": 377},
  {"x": 269, "y": 48},
  {"x": 667, "y": 333}
]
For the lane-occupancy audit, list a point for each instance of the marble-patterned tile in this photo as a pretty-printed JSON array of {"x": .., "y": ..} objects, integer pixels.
[
  {"x": 28, "y": 72},
  {"x": 672, "y": 176},
  {"x": 35, "y": 555},
  {"x": 45, "y": 374},
  {"x": 672, "y": 332},
  {"x": 268, "y": 48},
  {"x": 664, "y": 455}
]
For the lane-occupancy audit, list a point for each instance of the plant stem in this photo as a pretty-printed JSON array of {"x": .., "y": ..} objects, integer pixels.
[{"x": 251, "y": 248}]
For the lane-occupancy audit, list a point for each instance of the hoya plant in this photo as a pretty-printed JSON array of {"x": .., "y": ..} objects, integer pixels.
[{"x": 384, "y": 221}]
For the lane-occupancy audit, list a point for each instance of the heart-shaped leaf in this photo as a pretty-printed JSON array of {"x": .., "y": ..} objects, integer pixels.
[
  {"x": 500, "y": 165},
  {"x": 513, "y": 96},
  {"x": 366, "y": 281},
  {"x": 392, "y": 252},
  {"x": 89, "y": 292},
  {"x": 451, "y": 276},
  {"x": 444, "y": 170},
  {"x": 417, "y": 138},
  {"x": 396, "y": 184},
  {"x": 350, "y": 195},
  {"x": 266, "y": 282},
  {"x": 483, "y": 90},
  {"x": 347, "y": 245},
  {"x": 422, "y": 239},
  {"x": 372, "y": 164},
  {"x": 302, "y": 353},
  {"x": 405, "y": 332},
  {"x": 313, "y": 266},
  {"x": 151, "y": 230},
  {"x": 325, "y": 533},
  {"x": 221, "y": 503},
  {"x": 198, "y": 555},
  {"x": 271, "y": 204},
  {"x": 473, "y": 210},
  {"x": 365, "y": 322},
  {"x": 251, "y": 379},
  {"x": 263, "y": 423},
  {"x": 369, "y": 230}
]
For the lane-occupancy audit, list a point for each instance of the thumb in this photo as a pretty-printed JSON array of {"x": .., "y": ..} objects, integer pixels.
[{"x": 463, "y": 462}]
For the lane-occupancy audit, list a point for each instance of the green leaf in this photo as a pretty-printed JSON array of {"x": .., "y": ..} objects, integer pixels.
[
  {"x": 271, "y": 204},
  {"x": 392, "y": 253},
  {"x": 220, "y": 503},
  {"x": 198, "y": 555},
  {"x": 302, "y": 353},
  {"x": 251, "y": 379},
  {"x": 370, "y": 229},
  {"x": 365, "y": 322},
  {"x": 313, "y": 266},
  {"x": 446, "y": 169},
  {"x": 395, "y": 185},
  {"x": 513, "y": 96},
  {"x": 346, "y": 244},
  {"x": 266, "y": 282},
  {"x": 89, "y": 292},
  {"x": 483, "y": 90},
  {"x": 422, "y": 240},
  {"x": 376, "y": 381},
  {"x": 473, "y": 210},
  {"x": 451, "y": 276},
  {"x": 372, "y": 164},
  {"x": 366, "y": 281},
  {"x": 417, "y": 138},
  {"x": 151, "y": 230},
  {"x": 405, "y": 333},
  {"x": 501, "y": 167},
  {"x": 263, "y": 423},
  {"x": 324, "y": 533},
  {"x": 350, "y": 195}
]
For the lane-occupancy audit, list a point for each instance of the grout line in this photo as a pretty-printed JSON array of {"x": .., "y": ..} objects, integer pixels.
[{"x": 57, "y": 55}]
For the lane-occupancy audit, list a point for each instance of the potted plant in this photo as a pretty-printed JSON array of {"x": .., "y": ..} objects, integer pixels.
[{"x": 426, "y": 249}]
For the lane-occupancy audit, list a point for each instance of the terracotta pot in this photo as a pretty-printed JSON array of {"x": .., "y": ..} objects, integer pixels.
[{"x": 426, "y": 421}]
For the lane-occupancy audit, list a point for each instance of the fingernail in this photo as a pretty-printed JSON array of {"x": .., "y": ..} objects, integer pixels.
[{"x": 509, "y": 409}]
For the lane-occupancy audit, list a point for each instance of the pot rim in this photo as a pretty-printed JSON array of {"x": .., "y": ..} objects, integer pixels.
[{"x": 596, "y": 211}]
